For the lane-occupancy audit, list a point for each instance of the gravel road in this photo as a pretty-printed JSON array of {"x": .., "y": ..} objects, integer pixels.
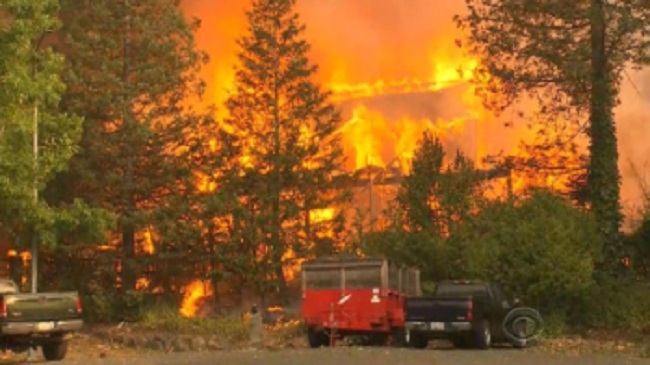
[{"x": 365, "y": 356}]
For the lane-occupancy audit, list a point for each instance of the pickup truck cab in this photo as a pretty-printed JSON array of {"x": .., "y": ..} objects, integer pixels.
[
  {"x": 468, "y": 313},
  {"x": 44, "y": 320}
]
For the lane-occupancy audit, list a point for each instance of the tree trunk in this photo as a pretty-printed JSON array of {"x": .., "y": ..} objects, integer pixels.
[
  {"x": 604, "y": 178},
  {"x": 276, "y": 224},
  {"x": 128, "y": 265},
  {"x": 128, "y": 228}
]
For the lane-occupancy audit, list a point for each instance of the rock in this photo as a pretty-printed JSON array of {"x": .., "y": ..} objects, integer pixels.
[
  {"x": 130, "y": 341},
  {"x": 160, "y": 342},
  {"x": 198, "y": 343},
  {"x": 182, "y": 344},
  {"x": 214, "y": 344},
  {"x": 157, "y": 344},
  {"x": 116, "y": 338}
]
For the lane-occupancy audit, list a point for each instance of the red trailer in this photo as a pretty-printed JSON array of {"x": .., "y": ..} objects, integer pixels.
[{"x": 355, "y": 297}]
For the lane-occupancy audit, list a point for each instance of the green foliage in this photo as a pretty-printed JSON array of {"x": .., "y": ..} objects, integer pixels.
[
  {"x": 638, "y": 243},
  {"x": 131, "y": 67},
  {"x": 614, "y": 304},
  {"x": 430, "y": 253},
  {"x": 278, "y": 153},
  {"x": 232, "y": 328},
  {"x": 541, "y": 249},
  {"x": 570, "y": 60},
  {"x": 30, "y": 91},
  {"x": 434, "y": 199}
]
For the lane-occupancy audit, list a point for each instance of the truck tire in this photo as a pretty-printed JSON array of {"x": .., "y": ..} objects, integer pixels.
[
  {"x": 483, "y": 335},
  {"x": 461, "y": 341},
  {"x": 418, "y": 341},
  {"x": 55, "y": 350},
  {"x": 317, "y": 339}
]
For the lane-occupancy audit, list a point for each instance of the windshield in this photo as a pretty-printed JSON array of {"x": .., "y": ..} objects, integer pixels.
[{"x": 461, "y": 290}]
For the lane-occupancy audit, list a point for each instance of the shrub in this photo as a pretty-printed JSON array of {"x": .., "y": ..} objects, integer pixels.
[
  {"x": 541, "y": 249},
  {"x": 614, "y": 304},
  {"x": 233, "y": 328}
]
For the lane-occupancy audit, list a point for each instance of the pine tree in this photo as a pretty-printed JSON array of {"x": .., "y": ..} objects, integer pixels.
[
  {"x": 571, "y": 57},
  {"x": 285, "y": 126},
  {"x": 132, "y": 67},
  {"x": 437, "y": 194}
]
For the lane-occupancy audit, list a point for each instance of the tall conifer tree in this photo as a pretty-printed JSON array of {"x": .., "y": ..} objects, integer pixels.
[
  {"x": 285, "y": 126},
  {"x": 132, "y": 68}
]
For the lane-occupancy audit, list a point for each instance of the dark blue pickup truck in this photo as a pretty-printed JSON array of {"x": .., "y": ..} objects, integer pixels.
[{"x": 468, "y": 313}]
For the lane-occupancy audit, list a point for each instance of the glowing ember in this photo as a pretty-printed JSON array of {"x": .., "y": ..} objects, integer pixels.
[
  {"x": 148, "y": 246},
  {"x": 141, "y": 284}
]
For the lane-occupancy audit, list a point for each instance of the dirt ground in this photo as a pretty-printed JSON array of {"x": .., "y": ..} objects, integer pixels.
[
  {"x": 86, "y": 349},
  {"x": 376, "y": 356}
]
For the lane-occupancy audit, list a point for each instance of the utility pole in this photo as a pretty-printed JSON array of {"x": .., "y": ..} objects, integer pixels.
[
  {"x": 34, "y": 234},
  {"x": 31, "y": 356}
]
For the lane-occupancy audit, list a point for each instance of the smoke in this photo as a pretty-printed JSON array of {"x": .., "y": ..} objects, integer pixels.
[
  {"x": 633, "y": 123},
  {"x": 364, "y": 41}
]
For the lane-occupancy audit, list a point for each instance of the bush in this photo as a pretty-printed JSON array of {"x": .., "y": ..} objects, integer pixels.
[
  {"x": 233, "y": 328},
  {"x": 111, "y": 305},
  {"x": 541, "y": 249},
  {"x": 425, "y": 251},
  {"x": 614, "y": 304}
]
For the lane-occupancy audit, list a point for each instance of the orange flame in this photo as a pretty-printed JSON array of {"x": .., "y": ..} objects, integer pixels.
[
  {"x": 192, "y": 293},
  {"x": 360, "y": 66}
]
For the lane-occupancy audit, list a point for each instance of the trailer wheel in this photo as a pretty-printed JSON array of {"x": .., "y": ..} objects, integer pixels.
[
  {"x": 398, "y": 337},
  {"x": 55, "y": 350},
  {"x": 317, "y": 339},
  {"x": 483, "y": 335}
]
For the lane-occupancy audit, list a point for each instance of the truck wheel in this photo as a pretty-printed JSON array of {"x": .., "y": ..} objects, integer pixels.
[
  {"x": 461, "y": 341},
  {"x": 418, "y": 341},
  {"x": 55, "y": 350},
  {"x": 483, "y": 335},
  {"x": 317, "y": 339}
]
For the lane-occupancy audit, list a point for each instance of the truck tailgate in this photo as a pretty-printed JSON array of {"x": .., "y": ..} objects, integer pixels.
[
  {"x": 41, "y": 306},
  {"x": 437, "y": 309}
]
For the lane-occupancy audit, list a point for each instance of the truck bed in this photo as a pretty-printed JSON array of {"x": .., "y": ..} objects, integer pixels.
[{"x": 40, "y": 313}]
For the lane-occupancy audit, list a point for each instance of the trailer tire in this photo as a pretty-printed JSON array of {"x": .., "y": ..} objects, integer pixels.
[
  {"x": 483, "y": 335},
  {"x": 55, "y": 350},
  {"x": 398, "y": 337},
  {"x": 317, "y": 339}
]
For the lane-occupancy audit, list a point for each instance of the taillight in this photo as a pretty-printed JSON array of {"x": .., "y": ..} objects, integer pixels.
[
  {"x": 470, "y": 310},
  {"x": 78, "y": 305},
  {"x": 3, "y": 308}
]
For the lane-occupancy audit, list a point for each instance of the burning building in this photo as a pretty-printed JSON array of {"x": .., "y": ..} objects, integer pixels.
[{"x": 394, "y": 71}]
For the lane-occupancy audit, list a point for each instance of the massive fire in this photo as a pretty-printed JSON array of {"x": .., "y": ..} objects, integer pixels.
[{"x": 394, "y": 71}]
